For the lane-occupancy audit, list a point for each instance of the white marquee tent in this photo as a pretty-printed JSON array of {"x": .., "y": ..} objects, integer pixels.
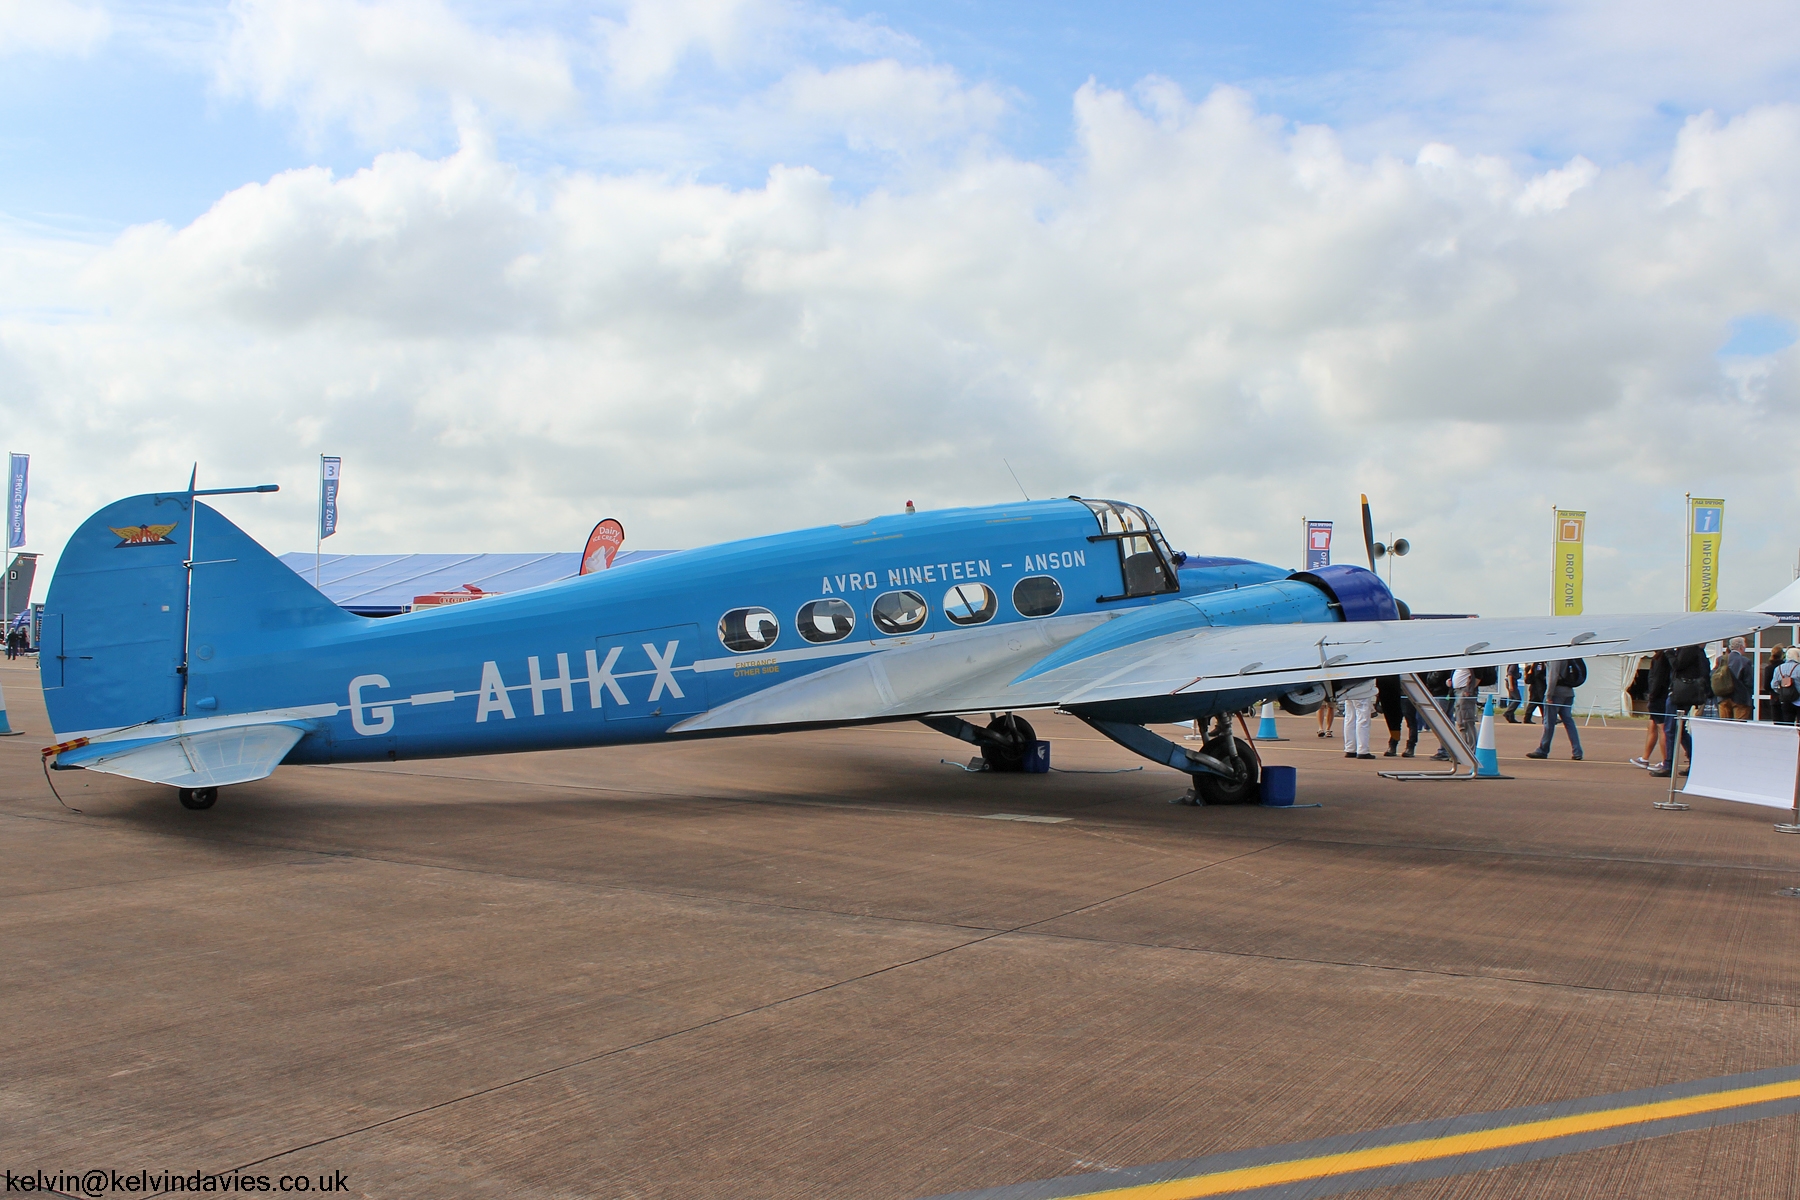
[
  {"x": 1784, "y": 604},
  {"x": 1603, "y": 695}
]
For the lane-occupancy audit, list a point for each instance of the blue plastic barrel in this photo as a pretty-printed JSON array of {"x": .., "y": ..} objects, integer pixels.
[
  {"x": 1278, "y": 785},
  {"x": 1038, "y": 761}
]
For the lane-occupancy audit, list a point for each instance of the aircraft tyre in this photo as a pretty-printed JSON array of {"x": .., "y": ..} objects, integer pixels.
[
  {"x": 1012, "y": 739},
  {"x": 1302, "y": 702},
  {"x": 1244, "y": 789},
  {"x": 198, "y": 797}
]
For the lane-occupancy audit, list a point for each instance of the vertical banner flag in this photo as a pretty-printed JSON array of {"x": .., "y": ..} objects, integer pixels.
[
  {"x": 1706, "y": 529},
  {"x": 328, "y": 489},
  {"x": 1565, "y": 597},
  {"x": 1318, "y": 544},
  {"x": 602, "y": 545},
  {"x": 17, "y": 484}
]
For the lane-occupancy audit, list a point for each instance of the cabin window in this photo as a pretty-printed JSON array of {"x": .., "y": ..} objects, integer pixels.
[
  {"x": 825, "y": 621},
  {"x": 1037, "y": 596},
  {"x": 971, "y": 603},
  {"x": 746, "y": 629},
  {"x": 899, "y": 612}
]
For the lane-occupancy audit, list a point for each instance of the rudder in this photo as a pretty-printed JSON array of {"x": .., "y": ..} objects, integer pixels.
[{"x": 117, "y": 625}]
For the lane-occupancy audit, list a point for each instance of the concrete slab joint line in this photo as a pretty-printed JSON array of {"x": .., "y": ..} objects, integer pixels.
[{"x": 1433, "y": 1149}]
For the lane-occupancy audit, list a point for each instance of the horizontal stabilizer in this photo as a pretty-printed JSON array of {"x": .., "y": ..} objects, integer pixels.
[{"x": 207, "y": 758}]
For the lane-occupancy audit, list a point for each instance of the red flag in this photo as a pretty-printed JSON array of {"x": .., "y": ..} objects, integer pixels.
[{"x": 602, "y": 545}]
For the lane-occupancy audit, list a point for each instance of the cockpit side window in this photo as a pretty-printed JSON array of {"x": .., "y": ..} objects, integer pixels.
[{"x": 1145, "y": 565}]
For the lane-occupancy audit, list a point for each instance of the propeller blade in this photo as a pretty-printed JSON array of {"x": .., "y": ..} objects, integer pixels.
[{"x": 1368, "y": 532}]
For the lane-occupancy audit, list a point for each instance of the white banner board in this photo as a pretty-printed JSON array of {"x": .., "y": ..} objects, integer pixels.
[{"x": 1745, "y": 761}]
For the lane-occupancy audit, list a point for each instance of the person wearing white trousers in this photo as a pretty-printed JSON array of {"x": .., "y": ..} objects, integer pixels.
[{"x": 1359, "y": 714}]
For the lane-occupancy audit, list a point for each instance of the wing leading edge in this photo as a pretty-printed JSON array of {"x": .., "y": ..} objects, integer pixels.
[{"x": 1177, "y": 675}]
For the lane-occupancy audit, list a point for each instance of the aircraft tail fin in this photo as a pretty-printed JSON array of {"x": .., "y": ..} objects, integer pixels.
[{"x": 121, "y": 621}]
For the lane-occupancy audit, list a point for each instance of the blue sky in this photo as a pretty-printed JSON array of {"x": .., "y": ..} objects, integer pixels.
[
  {"x": 723, "y": 267},
  {"x": 140, "y": 126}
]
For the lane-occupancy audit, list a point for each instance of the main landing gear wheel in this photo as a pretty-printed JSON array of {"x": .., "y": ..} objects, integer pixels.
[
  {"x": 1243, "y": 787},
  {"x": 198, "y": 797},
  {"x": 1009, "y": 744}
]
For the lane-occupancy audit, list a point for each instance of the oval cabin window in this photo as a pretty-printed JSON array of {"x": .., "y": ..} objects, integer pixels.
[
  {"x": 899, "y": 612},
  {"x": 970, "y": 603},
  {"x": 825, "y": 621},
  {"x": 1037, "y": 596},
  {"x": 746, "y": 629}
]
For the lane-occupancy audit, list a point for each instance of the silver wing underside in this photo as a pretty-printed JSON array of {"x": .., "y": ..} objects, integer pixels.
[{"x": 980, "y": 672}]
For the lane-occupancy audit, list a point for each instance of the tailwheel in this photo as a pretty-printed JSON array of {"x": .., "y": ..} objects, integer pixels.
[
  {"x": 1243, "y": 787},
  {"x": 198, "y": 797},
  {"x": 1007, "y": 743}
]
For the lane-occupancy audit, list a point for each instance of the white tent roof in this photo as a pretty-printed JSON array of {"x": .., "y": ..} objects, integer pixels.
[{"x": 1783, "y": 603}]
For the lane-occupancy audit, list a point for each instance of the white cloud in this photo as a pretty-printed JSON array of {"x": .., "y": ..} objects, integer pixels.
[
  {"x": 886, "y": 106},
  {"x": 654, "y": 36},
  {"x": 1604, "y": 78},
  {"x": 382, "y": 65},
  {"x": 50, "y": 27},
  {"x": 1551, "y": 190},
  {"x": 1226, "y": 318},
  {"x": 648, "y": 42}
]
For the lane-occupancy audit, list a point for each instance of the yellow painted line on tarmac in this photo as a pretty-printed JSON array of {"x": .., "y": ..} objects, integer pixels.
[{"x": 1243, "y": 1178}]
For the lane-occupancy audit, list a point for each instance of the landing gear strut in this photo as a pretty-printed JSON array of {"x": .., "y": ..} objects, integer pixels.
[
  {"x": 1226, "y": 769},
  {"x": 1005, "y": 744},
  {"x": 198, "y": 797}
]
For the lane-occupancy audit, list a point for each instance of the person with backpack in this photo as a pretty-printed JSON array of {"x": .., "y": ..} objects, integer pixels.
[
  {"x": 1743, "y": 675},
  {"x": 1559, "y": 705},
  {"x": 1784, "y": 687},
  {"x": 1689, "y": 685},
  {"x": 1724, "y": 681}
]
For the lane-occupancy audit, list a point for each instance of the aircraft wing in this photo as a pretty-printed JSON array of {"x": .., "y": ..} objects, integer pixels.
[
  {"x": 1002, "y": 671},
  {"x": 1270, "y": 656}
]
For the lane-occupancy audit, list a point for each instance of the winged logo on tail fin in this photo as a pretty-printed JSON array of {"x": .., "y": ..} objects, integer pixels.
[{"x": 144, "y": 535}]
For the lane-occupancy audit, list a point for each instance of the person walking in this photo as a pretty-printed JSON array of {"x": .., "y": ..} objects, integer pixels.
[
  {"x": 1689, "y": 686},
  {"x": 1515, "y": 694},
  {"x": 1396, "y": 706},
  {"x": 1656, "y": 701},
  {"x": 1534, "y": 689},
  {"x": 1438, "y": 684},
  {"x": 1359, "y": 712},
  {"x": 1568, "y": 674},
  {"x": 1327, "y": 716}
]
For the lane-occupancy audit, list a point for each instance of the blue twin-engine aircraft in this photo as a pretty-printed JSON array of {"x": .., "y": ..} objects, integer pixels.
[{"x": 176, "y": 650}]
